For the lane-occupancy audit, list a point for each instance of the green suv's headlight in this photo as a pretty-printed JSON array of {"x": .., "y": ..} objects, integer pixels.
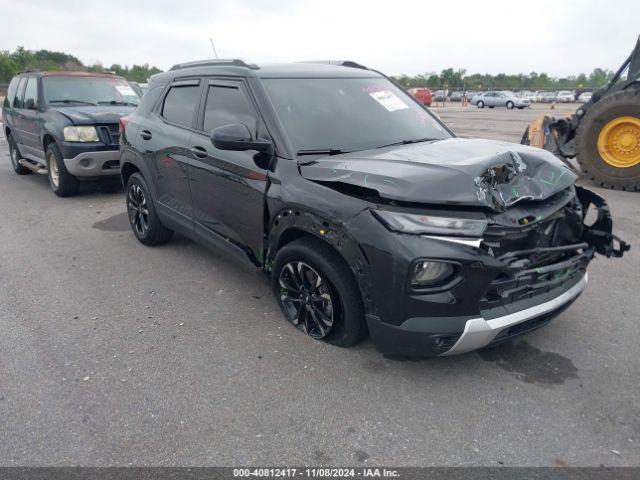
[
  {"x": 80, "y": 134},
  {"x": 430, "y": 224}
]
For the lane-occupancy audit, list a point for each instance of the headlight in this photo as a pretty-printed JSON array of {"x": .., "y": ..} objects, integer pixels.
[
  {"x": 428, "y": 273},
  {"x": 411, "y": 223},
  {"x": 80, "y": 134}
]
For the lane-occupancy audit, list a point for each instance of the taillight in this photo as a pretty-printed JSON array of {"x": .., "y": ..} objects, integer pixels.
[{"x": 122, "y": 123}]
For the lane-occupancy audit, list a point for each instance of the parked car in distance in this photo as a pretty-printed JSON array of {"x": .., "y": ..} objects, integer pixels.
[
  {"x": 585, "y": 97},
  {"x": 440, "y": 96},
  {"x": 455, "y": 97},
  {"x": 140, "y": 88},
  {"x": 537, "y": 96},
  {"x": 65, "y": 124},
  {"x": 493, "y": 99},
  {"x": 565, "y": 96},
  {"x": 469, "y": 94},
  {"x": 432, "y": 244},
  {"x": 529, "y": 95},
  {"x": 422, "y": 94},
  {"x": 548, "y": 97}
]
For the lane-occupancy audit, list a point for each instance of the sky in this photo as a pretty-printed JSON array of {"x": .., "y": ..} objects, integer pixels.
[{"x": 561, "y": 37}]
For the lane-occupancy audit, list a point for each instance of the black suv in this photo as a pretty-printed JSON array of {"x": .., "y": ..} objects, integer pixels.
[
  {"x": 66, "y": 124},
  {"x": 365, "y": 209}
]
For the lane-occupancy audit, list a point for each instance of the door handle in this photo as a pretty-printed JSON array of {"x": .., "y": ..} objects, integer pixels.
[
  {"x": 145, "y": 135},
  {"x": 199, "y": 152}
]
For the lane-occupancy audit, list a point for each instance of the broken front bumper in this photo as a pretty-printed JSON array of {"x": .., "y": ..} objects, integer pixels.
[{"x": 501, "y": 296}]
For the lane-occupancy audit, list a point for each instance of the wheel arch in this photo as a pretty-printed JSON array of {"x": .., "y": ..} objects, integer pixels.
[
  {"x": 126, "y": 170},
  {"x": 291, "y": 224},
  {"x": 47, "y": 139}
]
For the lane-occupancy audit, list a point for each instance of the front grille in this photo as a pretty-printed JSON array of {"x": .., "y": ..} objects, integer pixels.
[
  {"x": 109, "y": 134},
  {"x": 538, "y": 256}
]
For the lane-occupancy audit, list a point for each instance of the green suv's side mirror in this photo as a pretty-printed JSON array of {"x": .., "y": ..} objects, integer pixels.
[{"x": 237, "y": 137}]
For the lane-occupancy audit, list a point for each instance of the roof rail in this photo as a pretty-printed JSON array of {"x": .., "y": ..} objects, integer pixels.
[
  {"x": 339, "y": 63},
  {"x": 235, "y": 62}
]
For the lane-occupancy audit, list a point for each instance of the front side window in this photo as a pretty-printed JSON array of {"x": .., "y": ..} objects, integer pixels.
[
  {"x": 349, "y": 113},
  {"x": 226, "y": 105},
  {"x": 89, "y": 90},
  {"x": 180, "y": 104},
  {"x": 17, "y": 100},
  {"x": 31, "y": 94}
]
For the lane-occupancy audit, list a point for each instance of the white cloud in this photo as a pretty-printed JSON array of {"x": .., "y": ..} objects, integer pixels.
[{"x": 559, "y": 37}]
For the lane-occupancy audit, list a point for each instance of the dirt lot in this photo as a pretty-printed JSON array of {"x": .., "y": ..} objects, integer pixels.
[{"x": 115, "y": 353}]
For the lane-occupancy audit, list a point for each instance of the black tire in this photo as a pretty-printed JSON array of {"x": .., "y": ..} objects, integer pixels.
[
  {"x": 147, "y": 227},
  {"x": 480, "y": 104},
  {"x": 510, "y": 105},
  {"x": 61, "y": 181},
  {"x": 347, "y": 312},
  {"x": 619, "y": 104},
  {"x": 14, "y": 154},
  {"x": 491, "y": 106},
  {"x": 521, "y": 108}
]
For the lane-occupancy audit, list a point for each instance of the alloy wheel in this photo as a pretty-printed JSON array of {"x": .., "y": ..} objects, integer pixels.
[
  {"x": 306, "y": 299},
  {"x": 138, "y": 211}
]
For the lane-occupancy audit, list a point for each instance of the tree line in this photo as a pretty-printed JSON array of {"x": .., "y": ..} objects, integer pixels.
[
  {"x": 22, "y": 59},
  {"x": 457, "y": 79}
]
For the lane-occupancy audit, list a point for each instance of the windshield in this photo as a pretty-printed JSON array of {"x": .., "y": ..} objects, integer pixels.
[
  {"x": 348, "y": 114},
  {"x": 61, "y": 90}
]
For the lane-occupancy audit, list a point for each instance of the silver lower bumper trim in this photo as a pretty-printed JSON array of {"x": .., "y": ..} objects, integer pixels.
[
  {"x": 479, "y": 332},
  {"x": 89, "y": 164}
]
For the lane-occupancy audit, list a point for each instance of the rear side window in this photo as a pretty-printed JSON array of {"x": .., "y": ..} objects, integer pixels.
[
  {"x": 17, "y": 100},
  {"x": 180, "y": 104},
  {"x": 227, "y": 105},
  {"x": 11, "y": 92},
  {"x": 31, "y": 94}
]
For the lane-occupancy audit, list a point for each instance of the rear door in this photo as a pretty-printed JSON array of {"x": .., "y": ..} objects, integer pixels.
[
  {"x": 17, "y": 111},
  {"x": 31, "y": 121},
  {"x": 228, "y": 187},
  {"x": 165, "y": 138}
]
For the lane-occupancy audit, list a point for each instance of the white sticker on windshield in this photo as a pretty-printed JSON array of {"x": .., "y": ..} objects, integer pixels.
[
  {"x": 389, "y": 100},
  {"x": 125, "y": 90}
]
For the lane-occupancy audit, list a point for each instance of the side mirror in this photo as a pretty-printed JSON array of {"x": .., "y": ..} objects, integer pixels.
[{"x": 237, "y": 137}]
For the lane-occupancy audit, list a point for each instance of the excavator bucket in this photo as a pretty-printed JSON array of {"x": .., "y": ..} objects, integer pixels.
[{"x": 550, "y": 133}]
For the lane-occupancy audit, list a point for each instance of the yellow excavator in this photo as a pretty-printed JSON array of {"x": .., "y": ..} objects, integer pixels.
[{"x": 604, "y": 133}]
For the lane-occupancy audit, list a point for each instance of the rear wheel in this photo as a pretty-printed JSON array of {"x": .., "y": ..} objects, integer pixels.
[
  {"x": 143, "y": 218},
  {"x": 480, "y": 104},
  {"x": 317, "y": 292},
  {"x": 608, "y": 141},
  {"x": 510, "y": 105},
  {"x": 61, "y": 181},
  {"x": 14, "y": 153}
]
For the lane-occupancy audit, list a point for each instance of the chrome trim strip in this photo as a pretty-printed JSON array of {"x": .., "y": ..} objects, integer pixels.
[
  {"x": 479, "y": 332},
  {"x": 471, "y": 242}
]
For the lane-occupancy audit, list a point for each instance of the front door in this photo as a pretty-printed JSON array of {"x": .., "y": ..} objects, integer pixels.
[{"x": 228, "y": 187}]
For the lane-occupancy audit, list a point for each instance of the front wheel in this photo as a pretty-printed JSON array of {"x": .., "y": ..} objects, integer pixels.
[
  {"x": 143, "y": 218},
  {"x": 510, "y": 105},
  {"x": 61, "y": 181},
  {"x": 15, "y": 156},
  {"x": 317, "y": 292},
  {"x": 480, "y": 104}
]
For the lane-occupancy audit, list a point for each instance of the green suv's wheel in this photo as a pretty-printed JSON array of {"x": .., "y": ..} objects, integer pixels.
[
  {"x": 317, "y": 292},
  {"x": 143, "y": 218},
  {"x": 14, "y": 153},
  {"x": 62, "y": 182}
]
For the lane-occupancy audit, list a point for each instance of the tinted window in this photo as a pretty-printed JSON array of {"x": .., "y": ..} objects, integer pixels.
[
  {"x": 31, "y": 93},
  {"x": 180, "y": 104},
  {"x": 349, "y": 113},
  {"x": 227, "y": 105},
  {"x": 17, "y": 100}
]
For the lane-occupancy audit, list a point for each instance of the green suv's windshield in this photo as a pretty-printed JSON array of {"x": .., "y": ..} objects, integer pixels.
[
  {"x": 88, "y": 90},
  {"x": 337, "y": 115}
]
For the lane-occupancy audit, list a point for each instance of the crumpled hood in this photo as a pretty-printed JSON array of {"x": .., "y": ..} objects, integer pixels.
[
  {"x": 456, "y": 171},
  {"x": 89, "y": 115}
]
